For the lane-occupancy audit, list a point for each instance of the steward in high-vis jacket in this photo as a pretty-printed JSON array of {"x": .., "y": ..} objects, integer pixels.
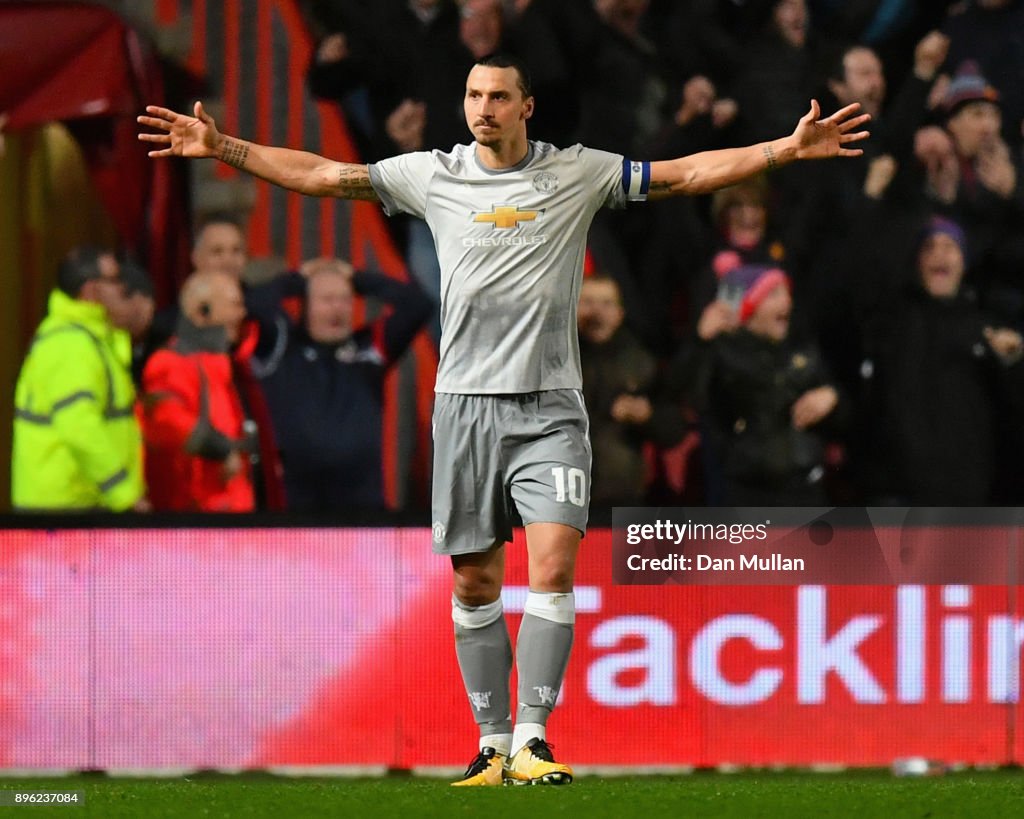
[{"x": 77, "y": 444}]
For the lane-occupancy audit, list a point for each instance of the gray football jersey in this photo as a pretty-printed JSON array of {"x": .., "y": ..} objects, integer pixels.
[{"x": 511, "y": 245}]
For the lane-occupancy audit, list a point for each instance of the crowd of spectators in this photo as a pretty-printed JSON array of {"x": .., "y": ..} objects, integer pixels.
[
  {"x": 833, "y": 332},
  {"x": 810, "y": 413}
]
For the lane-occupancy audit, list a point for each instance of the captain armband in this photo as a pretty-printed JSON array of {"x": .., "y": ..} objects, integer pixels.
[{"x": 636, "y": 179}]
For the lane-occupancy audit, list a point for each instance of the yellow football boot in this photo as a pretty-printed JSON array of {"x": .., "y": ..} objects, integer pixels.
[
  {"x": 485, "y": 769},
  {"x": 534, "y": 765}
]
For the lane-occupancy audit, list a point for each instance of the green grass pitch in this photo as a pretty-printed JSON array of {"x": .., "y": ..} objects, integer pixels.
[{"x": 859, "y": 794}]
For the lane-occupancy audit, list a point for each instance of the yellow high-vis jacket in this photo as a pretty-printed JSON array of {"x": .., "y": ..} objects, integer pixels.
[{"x": 77, "y": 444}]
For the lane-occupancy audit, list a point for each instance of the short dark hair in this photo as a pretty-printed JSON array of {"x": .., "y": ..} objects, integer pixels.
[
  {"x": 135, "y": 278},
  {"x": 508, "y": 61},
  {"x": 80, "y": 265},
  {"x": 218, "y": 217}
]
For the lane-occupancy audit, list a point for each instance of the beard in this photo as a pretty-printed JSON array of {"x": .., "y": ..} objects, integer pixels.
[{"x": 487, "y": 140}]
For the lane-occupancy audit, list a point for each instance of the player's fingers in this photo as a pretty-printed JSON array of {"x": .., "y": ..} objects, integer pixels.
[
  {"x": 851, "y": 152},
  {"x": 164, "y": 152},
  {"x": 163, "y": 113},
  {"x": 153, "y": 122},
  {"x": 851, "y": 124},
  {"x": 857, "y": 136},
  {"x": 201, "y": 114},
  {"x": 163, "y": 138},
  {"x": 844, "y": 112}
]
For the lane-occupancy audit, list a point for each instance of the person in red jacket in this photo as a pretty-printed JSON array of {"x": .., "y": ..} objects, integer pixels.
[{"x": 194, "y": 423}]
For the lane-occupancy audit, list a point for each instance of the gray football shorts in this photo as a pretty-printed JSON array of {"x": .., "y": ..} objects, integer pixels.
[{"x": 494, "y": 454}]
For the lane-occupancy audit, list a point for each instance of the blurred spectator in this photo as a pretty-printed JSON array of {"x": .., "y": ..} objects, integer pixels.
[
  {"x": 138, "y": 291},
  {"x": 740, "y": 218},
  {"x": 383, "y": 69},
  {"x": 889, "y": 27},
  {"x": 700, "y": 122},
  {"x": 777, "y": 78},
  {"x": 991, "y": 33},
  {"x": 702, "y": 37},
  {"x": 624, "y": 91},
  {"x": 555, "y": 39},
  {"x": 220, "y": 245},
  {"x": 827, "y": 254},
  {"x": 936, "y": 371},
  {"x": 194, "y": 423},
  {"x": 989, "y": 199},
  {"x": 764, "y": 399},
  {"x": 617, "y": 377},
  {"x": 481, "y": 26},
  {"x": 324, "y": 384},
  {"x": 76, "y": 438}
]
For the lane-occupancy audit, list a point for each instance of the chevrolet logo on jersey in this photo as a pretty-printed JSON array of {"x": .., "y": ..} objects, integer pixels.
[{"x": 507, "y": 216}]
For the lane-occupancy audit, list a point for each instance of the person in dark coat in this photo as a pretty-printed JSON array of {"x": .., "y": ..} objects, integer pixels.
[
  {"x": 936, "y": 372},
  {"x": 324, "y": 381},
  {"x": 618, "y": 374},
  {"x": 765, "y": 399}
]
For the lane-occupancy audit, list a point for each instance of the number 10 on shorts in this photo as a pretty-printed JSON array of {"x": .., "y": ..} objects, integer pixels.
[{"x": 573, "y": 479}]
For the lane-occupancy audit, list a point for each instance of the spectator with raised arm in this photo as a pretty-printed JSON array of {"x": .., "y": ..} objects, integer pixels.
[
  {"x": 765, "y": 399},
  {"x": 324, "y": 382}
]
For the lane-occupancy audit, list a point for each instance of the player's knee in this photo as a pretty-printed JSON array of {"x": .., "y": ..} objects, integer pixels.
[
  {"x": 553, "y": 574},
  {"x": 475, "y": 589}
]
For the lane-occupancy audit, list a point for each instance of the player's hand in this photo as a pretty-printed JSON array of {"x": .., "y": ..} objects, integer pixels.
[
  {"x": 817, "y": 138},
  {"x": 812, "y": 406},
  {"x": 195, "y": 136}
]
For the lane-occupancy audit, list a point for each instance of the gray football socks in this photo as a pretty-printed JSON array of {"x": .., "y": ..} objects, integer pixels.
[
  {"x": 484, "y": 652},
  {"x": 542, "y": 653}
]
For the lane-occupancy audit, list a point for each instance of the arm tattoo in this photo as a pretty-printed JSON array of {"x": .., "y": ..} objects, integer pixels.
[
  {"x": 769, "y": 155},
  {"x": 662, "y": 185},
  {"x": 233, "y": 153},
  {"x": 354, "y": 183}
]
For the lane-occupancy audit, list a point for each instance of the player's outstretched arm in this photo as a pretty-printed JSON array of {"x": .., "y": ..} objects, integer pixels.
[
  {"x": 197, "y": 136},
  {"x": 814, "y": 138}
]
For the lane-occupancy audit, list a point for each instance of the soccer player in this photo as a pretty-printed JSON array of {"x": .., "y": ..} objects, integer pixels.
[{"x": 509, "y": 218}]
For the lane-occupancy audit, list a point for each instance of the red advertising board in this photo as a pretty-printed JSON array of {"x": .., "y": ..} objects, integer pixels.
[{"x": 156, "y": 649}]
